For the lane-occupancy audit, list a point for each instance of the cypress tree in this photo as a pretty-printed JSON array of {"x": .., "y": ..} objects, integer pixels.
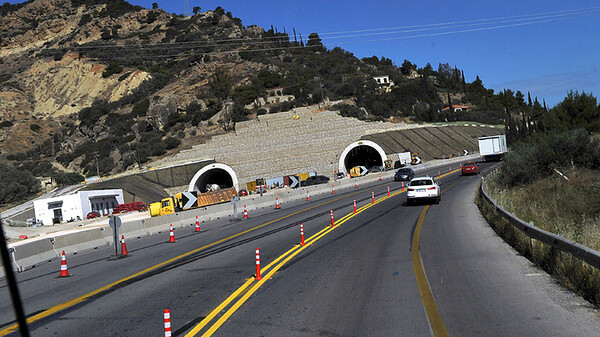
[
  {"x": 464, "y": 83},
  {"x": 449, "y": 103}
]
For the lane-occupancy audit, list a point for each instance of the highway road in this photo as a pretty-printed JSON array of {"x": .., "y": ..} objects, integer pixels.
[{"x": 388, "y": 270}]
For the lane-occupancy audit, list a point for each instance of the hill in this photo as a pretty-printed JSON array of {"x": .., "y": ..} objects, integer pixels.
[{"x": 106, "y": 86}]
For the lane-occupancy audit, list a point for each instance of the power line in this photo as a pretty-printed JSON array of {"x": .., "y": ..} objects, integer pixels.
[{"x": 531, "y": 19}]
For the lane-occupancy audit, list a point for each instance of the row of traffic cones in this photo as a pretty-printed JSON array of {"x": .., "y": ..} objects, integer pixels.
[{"x": 64, "y": 269}]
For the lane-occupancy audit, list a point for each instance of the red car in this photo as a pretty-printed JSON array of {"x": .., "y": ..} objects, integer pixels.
[
  {"x": 243, "y": 193},
  {"x": 469, "y": 168},
  {"x": 93, "y": 214}
]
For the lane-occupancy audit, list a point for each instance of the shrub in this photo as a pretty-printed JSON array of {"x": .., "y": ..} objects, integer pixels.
[
  {"x": 141, "y": 108},
  {"x": 171, "y": 142},
  {"x": 537, "y": 158},
  {"x": 35, "y": 127},
  {"x": 6, "y": 124},
  {"x": 113, "y": 68}
]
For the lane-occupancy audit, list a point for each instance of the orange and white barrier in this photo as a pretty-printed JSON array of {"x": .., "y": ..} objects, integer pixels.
[
  {"x": 331, "y": 218},
  {"x": 64, "y": 271},
  {"x": 372, "y": 197},
  {"x": 354, "y": 206},
  {"x": 167, "y": 318},
  {"x": 123, "y": 246},
  {"x": 258, "y": 277},
  {"x": 301, "y": 234},
  {"x": 171, "y": 234},
  {"x": 197, "y": 225}
]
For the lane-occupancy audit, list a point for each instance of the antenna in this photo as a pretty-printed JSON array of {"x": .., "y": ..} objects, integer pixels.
[{"x": 187, "y": 10}]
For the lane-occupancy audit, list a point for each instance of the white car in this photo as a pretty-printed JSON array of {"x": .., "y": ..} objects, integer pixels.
[{"x": 423, "y": 188}]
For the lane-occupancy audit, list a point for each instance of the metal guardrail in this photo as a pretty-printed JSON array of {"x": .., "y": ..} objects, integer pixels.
[{"x": 581, "y": 252}]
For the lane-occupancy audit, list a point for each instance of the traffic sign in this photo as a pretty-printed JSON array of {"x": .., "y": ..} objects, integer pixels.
[
  {"x": 114, "y": 220},
  {"x": 363, "y": 171},
  {"x": 189, "y": 199},
  {"x": 294, "y": 182}
]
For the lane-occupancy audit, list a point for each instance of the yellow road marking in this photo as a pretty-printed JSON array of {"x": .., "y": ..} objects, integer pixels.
[
  {"x": 83, "y": 298},
  {"x": 435, "y": 319},
  {"x": 433, "y": 314},
  {"x": 290, "y": 254}
]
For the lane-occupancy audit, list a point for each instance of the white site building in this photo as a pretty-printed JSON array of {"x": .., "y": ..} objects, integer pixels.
[{"x": 76, "y": 206}]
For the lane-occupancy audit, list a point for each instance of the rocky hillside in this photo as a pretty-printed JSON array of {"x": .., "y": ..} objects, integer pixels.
[{"x": 105, "y": 85}]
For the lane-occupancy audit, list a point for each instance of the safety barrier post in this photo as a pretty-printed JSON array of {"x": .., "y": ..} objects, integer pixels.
[
  {"x": 258, "y": 277},
  {"x": 331, "y": 218},
  {"x": 301, "y": 234},
  {"x": 167, "y": 318}
]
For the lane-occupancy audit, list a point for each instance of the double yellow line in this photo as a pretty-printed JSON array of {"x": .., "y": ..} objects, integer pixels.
[
  {"x": 272, "y": 268},
  {"x": 248, "y": 288},
  {"x": 57, "y": 308}
]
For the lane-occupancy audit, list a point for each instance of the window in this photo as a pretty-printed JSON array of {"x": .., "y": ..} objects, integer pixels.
[{"x": 166, "y": 203}]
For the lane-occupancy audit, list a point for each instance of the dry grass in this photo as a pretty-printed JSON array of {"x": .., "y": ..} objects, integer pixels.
[{"x": 568, "y": 208}]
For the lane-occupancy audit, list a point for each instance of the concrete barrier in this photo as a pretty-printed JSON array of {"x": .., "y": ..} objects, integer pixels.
[
  {"x": 86, "y": 239},
  {"x": 29, "y": 254}
]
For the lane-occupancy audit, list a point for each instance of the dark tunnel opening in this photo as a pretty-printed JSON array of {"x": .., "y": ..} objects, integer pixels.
[
  {"x": 213, "y": 177},
  {"x": 362, "y": 155}
]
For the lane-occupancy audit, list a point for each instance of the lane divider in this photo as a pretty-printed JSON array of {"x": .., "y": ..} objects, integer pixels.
[
  {"x": 433, "y": 315},
  {"x": 284, "y": 258}
]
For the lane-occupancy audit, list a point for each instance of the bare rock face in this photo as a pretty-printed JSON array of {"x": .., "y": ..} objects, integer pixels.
[{"x": 64, "y": 87}]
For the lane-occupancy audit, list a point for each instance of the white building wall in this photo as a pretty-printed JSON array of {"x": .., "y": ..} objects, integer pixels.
[{"x": 77, "y": 206}]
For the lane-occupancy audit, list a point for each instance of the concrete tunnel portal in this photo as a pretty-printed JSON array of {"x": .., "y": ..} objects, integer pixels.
[
  {"x": 214, "y": 174},
  {"x": 361, "y": 153}
]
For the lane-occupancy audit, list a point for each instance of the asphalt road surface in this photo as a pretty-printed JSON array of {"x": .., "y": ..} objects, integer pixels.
[{"x": 388, "y": 270}]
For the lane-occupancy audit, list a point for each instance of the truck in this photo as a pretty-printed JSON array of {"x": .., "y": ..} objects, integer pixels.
[
  {"x": 492, "y": 148},
  {"x": 189, "y": 200}
]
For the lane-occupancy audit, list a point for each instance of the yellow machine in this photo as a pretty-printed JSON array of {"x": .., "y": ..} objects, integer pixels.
[
  {"x": 358, "y": 171},
  {"x": 190, "y": 200}
]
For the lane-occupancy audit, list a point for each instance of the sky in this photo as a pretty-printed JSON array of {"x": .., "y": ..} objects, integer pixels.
[{"x": 545, "y": 47}]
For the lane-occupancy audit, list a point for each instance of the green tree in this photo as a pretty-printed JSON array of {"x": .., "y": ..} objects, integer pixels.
[
  {"x": 577, "y": 110},
  {"x": 196, "y": 10},
  {"x": 314, "y": 41},
  {"x": 154, "y": 5},
  {"x": 407, "y": 67},
  {"x": 220, "y": 84}
]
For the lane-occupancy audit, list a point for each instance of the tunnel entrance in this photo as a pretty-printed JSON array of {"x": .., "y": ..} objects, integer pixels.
[
  {"x": 362, "y": 153},
  {"x": 211, "y": 176}
]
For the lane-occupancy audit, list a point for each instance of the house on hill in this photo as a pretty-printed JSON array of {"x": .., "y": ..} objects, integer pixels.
[
  {"x": 457, "y": 108},
  {"x": 384, "y": 83}
]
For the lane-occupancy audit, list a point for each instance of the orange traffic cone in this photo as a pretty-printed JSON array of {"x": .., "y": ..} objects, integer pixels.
[
  {"x": 197, "y": 225},
  {"x": 332, "y": 189},
  {"x": 245, "y": 212},
  {"x": 355, "y": 183},
  {"x": 307, "y": 196},
  {"x": 171, "y": 234},
  {"x": 450, "y": 168},
  {"x": 64, "y": 272},
  {"x": 123, "y": 246},
  {"x": 380, "y": 178},
  {"x": 277, "y": 203}
]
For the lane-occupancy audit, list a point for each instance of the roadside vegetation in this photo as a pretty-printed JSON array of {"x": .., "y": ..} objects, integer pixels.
[{"x": 551, "y": 178}]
